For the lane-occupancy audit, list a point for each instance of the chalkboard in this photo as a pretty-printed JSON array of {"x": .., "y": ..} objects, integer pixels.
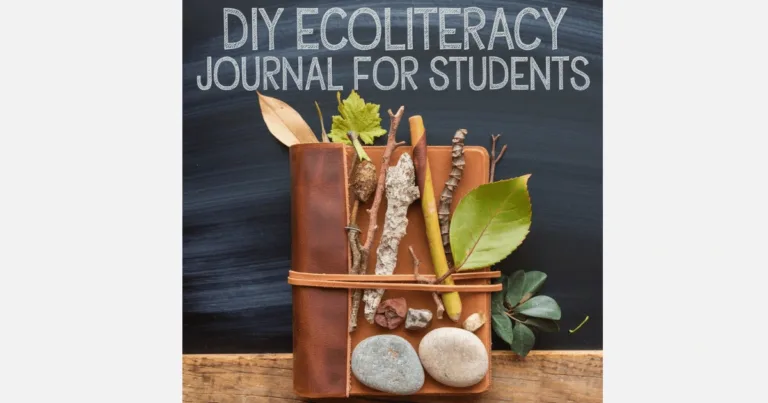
[{"x": 237, "y": 240}]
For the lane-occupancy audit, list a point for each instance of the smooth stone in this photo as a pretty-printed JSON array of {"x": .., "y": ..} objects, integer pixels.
[
  {"x": 417, "y": 318},
  {"x": 454, "y": 356},
  {"x": 388, "y": 363}
]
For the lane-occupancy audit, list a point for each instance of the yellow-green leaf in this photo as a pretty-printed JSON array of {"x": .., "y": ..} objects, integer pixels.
[
  {"x": 490, "y": 222},
  {"x": 358, "y": 116}
]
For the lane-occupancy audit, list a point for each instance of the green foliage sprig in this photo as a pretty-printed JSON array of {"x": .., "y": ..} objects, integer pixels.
[{"x": 516, "y": 310}]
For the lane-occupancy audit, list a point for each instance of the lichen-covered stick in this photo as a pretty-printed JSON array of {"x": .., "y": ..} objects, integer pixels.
[
  {"x": 394, "y": 122},
  {"x": 364, "y": 250},
  {"x": 421, "y": 279},
  {"x": 446, "y": 197},
  {"x": 401, "y": 192}
]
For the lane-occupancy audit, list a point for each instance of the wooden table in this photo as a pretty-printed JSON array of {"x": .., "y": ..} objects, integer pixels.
[{"x": 543, "y": 376}]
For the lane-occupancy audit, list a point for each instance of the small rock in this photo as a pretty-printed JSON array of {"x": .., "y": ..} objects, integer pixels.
[
  {"x": 388, "y": 363},
  {"x": 391, "y": 313},
  {"x": 473, "y": 322},
  {"x": 418, "y": 318},
  {"x": 454, "y": 357}
]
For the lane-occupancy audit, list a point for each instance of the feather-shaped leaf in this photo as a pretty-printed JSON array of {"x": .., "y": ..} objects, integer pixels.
[{"x": 284, "y": 122}]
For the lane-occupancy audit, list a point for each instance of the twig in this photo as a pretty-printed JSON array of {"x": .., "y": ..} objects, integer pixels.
[
  {"x": 421, "y": 279},
  {"x": 322, "y": 126},
  {"x": 353, "y": 237},
  {"x": 494, "y": 158},
  {"x": 446, "y": 197},
  {"x": 394, "y": 122}
]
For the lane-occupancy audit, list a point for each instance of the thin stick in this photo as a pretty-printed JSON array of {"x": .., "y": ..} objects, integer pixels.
[
  {"x": 421, "y": 279},
  {"x": 353, "y": 237},
  {"x": 494, "y": 159}
]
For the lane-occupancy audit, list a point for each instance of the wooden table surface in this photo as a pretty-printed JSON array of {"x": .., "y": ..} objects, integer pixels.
[{"x": 543, "y": 376}]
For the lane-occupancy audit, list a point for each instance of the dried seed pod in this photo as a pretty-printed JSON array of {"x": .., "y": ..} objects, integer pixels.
[
  {"x": 391, "y": 313},
  {"x": 364, "y": 180}
]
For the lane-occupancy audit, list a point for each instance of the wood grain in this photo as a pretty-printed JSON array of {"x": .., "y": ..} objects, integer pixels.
[{"x": 542, "y": 377}]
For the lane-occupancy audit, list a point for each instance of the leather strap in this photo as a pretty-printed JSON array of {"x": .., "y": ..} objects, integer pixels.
[
  {"x": 370, "y": 282},
  {"x": 392, "y": 278}
]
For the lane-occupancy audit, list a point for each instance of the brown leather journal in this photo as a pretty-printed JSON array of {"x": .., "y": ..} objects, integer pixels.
[{"x": 321, "y": 204}]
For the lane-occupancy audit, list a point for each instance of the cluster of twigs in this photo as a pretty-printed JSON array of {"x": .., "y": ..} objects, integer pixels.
[{"x": 361, "y": 252}]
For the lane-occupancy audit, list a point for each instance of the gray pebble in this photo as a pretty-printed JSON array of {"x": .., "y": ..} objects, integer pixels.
[
  {"x": 417, "y": 318},
  {"x": 388, "y": 363},
  {"x": 454, "y": 356}
]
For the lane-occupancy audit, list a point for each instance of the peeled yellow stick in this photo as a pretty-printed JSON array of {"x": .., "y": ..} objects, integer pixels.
[{"x": 451, "y": 300}]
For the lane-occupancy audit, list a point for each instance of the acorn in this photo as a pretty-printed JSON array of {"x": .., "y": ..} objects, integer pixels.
[{"x": 364, "y": 180}]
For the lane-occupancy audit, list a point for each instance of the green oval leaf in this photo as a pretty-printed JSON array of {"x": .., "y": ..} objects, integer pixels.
[
  {"x": 540, "y": 306},
  {"x": 497, "y": 303},
  {"x": 514, "y": 286},
  {"x": 490, "y": 222},
  {"x": 533, "y": 281},
  {"x": 522, "y": 339},
  {"x": 545, "y": 325},
  {"x": 502, "y": 326}
]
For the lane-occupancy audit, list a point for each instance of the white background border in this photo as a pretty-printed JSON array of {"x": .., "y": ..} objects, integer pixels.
[{"x": 91, "y": 213}]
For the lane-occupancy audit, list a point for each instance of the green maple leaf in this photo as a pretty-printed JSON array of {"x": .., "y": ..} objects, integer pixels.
[{"x": 358, "y": 116}]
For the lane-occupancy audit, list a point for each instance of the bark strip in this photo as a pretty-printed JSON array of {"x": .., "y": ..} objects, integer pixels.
[{"x": 446, "y": 197}]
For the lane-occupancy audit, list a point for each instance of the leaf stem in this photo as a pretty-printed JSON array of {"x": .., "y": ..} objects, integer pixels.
[
  {"x": 358, "y": 147},
  {"x": 512, "y": 317},
  {"x": 579, "y": 326}
]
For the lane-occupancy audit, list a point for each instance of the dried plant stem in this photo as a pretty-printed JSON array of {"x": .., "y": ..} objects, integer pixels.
[
  {"x": 322, "y": 126},
  {"x": 494, "y": 159},
  {"x": 451, "y": 300},
  {"x": 353, "y": 236},
  {"x": 421, "y": 279},
  {"x": 394, "y": 122},
  {"x": 446, "y": 197}
]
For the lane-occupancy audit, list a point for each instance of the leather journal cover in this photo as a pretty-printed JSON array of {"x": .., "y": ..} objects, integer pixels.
[{"x": 321, "y": 203}]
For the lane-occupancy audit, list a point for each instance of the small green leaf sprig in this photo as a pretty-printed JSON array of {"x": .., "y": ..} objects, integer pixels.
[{"x": 516, "y": 310}]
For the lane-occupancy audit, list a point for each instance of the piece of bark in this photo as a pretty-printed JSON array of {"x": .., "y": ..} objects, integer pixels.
[
  {"x": 401, "y": 191},
  {"x": 446, "y": 197},
  {"x": 394, "y": 123}
]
